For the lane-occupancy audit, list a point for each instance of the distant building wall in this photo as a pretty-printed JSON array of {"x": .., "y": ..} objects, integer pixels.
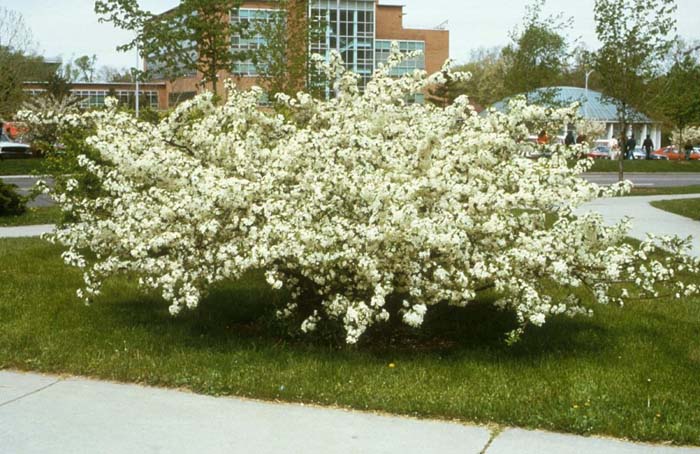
[
  {"x": 359, "y": 29},
  {"x": 437, "y": 42},
  {"x": 93, "y": 94}
]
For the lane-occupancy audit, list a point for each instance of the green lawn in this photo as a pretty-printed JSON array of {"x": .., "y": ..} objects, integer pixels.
[
  {"x": 606, "y": 165},
  {"x": 666, "y": 191},
  {"x": 21, "y": 166},
  {"x": 33, "y": 216},
  {"x": 689, "y": 208},
  {"x": 629, "y": 372}
]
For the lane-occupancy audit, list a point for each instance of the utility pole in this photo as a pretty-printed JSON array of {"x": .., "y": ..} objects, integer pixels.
[
  {"x": 585, "y": 110},
  {"x": 136, "y": 77}
]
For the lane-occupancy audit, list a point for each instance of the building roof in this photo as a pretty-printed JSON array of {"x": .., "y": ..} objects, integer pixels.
[{"x": 593, "y": 104}]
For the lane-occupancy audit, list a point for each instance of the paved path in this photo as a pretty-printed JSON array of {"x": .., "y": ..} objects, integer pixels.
[
  {"x": 49, "y": 414},
  {"x": 25, "y": 231},
  {"x": 650, "y": 179},
  {"x": 646, "y": 218}
]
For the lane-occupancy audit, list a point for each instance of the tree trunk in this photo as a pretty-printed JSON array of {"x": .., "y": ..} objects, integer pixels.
[
  {"x": 623, "y": 151},
  {"x": 215, "y": 75},
  {"x": 214, "y": 84}
]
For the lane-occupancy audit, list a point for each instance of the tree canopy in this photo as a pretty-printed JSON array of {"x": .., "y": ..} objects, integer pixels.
[
  {"x": 17, "y": 62},
  {"x": 195, "y": 36},
  {"x": 539, "y": 52},
  {"x": 631, "y": 53}
]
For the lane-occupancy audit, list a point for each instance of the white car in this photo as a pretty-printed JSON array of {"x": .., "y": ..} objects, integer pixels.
[
  {"x": 11, "y": 149},
  {"x": 638, "y": 153}
]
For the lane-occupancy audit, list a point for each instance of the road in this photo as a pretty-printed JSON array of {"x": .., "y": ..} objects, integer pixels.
[{"x": 24, "y": 184}]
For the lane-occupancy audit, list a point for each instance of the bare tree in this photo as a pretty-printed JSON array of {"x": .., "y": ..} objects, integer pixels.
[
  {"x": 14, "y": 33},
  {"x": 16, "y": 63}
]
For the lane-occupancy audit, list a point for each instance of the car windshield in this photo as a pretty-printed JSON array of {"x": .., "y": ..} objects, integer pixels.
[
  {"x": 602, "y": 149},
  {"x": 4, "y": 138}
]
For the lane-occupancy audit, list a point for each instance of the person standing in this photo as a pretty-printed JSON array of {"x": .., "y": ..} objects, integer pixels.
[
  {"x": 688, "y": 150},
  {"x": 648, "y": 146},
  {"x": 630, "y": 146},
  {"x": 569, "y": 139}
]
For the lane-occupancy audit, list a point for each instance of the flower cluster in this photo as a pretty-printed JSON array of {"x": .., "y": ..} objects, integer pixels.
[
  {"x": 688, "y": 135},
  {"x": 364, "y": 206}
]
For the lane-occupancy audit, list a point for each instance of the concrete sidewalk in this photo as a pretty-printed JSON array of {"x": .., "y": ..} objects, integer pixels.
[
  {"x": 646, "y": 218},
  {"x": 26, "y": 231},
  {"x": 51, "y": 414}
]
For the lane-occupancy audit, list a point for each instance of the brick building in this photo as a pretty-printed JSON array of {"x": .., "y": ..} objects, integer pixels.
[
  {"x": 152, "y": 95},
  {"x": 361, "y": 30}
]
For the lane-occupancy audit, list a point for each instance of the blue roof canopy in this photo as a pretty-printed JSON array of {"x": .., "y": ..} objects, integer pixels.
[{"x": 593, "y": 105}]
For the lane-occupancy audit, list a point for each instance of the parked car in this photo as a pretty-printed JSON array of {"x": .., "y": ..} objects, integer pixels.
[
  {"x": 15, "y": 130},
  {"x": 666, "y": 154},
  {"x": 600, "y": 152},
  {"x": 534, "y": 151},
  {"x": 611, "y": 144},
  {"x": 671, "y": 153},
  {"x": 639, "y": 153},
  {"x": 11, "y": 149}
]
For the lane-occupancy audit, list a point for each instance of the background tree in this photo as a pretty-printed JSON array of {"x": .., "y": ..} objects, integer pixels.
[
  {"x": 57, "y": 86},
  {"x": 679, "y": 89},
  {"x": 195, "y": 36},
  {"x": 14, "y": 33},
  {"x": 632, "y": 49},
  {"x": 17, "y": 63},
  {"x": 282, "y": 60},
  {"x": 112, "y": 74},
  {"x": 539, "y": 52},
  {"x": 539, "y": 56},
  {"x": 581, "y": 63},
  {"x": 86, "y": 66},
  {"x": 444, "y": 94},
  {"x": 486, "y": 85}
]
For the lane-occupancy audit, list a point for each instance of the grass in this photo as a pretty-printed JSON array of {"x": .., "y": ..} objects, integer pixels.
[
  {"x": 33, "y": 216},
  {"x": 689, "y": 208},
  {"x": 607, "y": 165},
  {"x": 21, "y": 166},
  {"x": 694, "y": 189},
  {"x": 583, "y": 375}
]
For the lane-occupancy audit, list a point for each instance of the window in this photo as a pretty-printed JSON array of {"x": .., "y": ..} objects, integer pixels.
[
  {"x": 249, "y": 43},
  {"x": 383, "y": 50},
  {"x": 90, "y": 99},
  {"x": 349, "y": 30}
]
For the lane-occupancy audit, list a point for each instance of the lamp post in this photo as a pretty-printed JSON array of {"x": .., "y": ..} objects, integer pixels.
[
  {"x": 136, "y": 79},
  {"x": 585, "y": 110}
]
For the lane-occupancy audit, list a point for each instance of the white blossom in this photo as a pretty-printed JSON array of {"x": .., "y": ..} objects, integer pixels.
[{"x": 352, "y": 203}]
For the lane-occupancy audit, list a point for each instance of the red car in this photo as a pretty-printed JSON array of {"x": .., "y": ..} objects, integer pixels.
[
  {"x": 599, "y": 152},
  {"x": 671, "y": 153}
]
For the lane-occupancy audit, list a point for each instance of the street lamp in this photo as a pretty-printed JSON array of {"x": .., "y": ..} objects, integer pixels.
[
  {"x": 136, "y": 77},
  {"x": 585, "y": 110}
]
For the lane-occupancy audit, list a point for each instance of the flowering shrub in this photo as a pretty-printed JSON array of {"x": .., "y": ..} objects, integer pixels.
[
  {"x": 689, "y": 135},
  {"x": 363, "y": 206},
  {"x": 590, "y": 130}
]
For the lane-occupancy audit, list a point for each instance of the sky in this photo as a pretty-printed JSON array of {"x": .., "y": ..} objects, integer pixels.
[{"x": 69, "y": 28}]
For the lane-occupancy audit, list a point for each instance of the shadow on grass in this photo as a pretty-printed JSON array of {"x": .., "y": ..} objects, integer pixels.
[{"x": 241, "y": 315}]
